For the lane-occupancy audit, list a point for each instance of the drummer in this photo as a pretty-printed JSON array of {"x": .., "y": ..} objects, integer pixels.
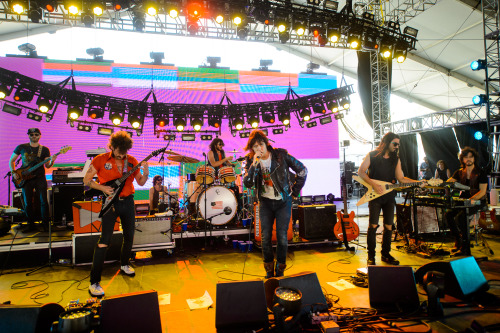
[
  {"x": 217, "y": 156},
  {"x": 156, "y": 205}
]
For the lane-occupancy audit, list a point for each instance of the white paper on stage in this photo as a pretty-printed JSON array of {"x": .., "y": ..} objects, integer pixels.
[
  {"x": 202, "y": 302},
  {"x": 342, "y": 284},
  {"x": 164, "y": 299}
]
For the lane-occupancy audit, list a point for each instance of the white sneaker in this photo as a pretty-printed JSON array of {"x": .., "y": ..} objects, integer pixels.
[
  {"x": 96, "y": 290},
  {"x": 127, "y": 270}
]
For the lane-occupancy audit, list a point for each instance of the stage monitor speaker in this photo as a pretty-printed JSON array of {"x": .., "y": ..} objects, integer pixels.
[
  {"x": 317, "y": 221},
  {"x": 134, "y": 312},
  {"x": 29, "y": 318},
  {"x": 241, "y": 306},
  {"x": 392, "y": 288},
  {"x": 307, "y": 283},
  {"x": 63, "y": 196},
  {"x": 463, "y": 277}
]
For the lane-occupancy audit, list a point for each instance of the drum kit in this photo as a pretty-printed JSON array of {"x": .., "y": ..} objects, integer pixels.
[{"x": 210, "y": 195}]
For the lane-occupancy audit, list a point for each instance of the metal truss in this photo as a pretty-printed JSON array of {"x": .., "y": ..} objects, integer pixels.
[
  {"x": 381, "y": 94},
  {"x": 400, "y": 12}
]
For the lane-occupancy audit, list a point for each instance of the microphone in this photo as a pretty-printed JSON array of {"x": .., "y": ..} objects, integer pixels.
[
  {"x": 228, "y": 210},
  {"x": 204, "y": 154}
]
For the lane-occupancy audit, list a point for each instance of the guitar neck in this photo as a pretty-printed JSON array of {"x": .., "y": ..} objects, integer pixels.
[
  {"x": 36, "y": 166},
  {"x": 393, "y": 186},
  {"x": 125, "y": 176}
]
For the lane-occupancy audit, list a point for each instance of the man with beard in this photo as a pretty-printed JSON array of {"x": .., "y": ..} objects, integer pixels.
[
  {"x": 382, "y": 164},
  {"x": 473, "y": 176},
  {"x": 107, "y": 167}
]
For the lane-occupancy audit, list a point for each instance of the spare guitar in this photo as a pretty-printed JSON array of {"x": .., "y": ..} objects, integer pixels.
[
  {"x": 388, "y": 187},
  {"x": 119, "y": 183},
  {"x": 345, "y": 229},
  {"x": 26, "y": 173}
]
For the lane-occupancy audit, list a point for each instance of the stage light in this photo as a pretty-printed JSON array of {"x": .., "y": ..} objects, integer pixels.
[
  {"x": 478, "y": 64},
  {"x": 244, "y": 135},
  {"x": 243, "y": 33},
  {"x": 319, "y": 107},
  {"x": 11, "y": 109},
  {"x": 5, "y": 91},
  {"x": 136, "y": 119},
  {"x": 299, "y": 27},
  {"x": 219, "y": 18},
  {"x": 179, "y": 124},
  {"x": 84, "y": 127},
  {"x": 333, "y": 106},
  {"x": 116, "y": 117},
  {"x": 151, "y": 7},
  {"x": 277, "y": 131},
  {"x": 410, "y": 31},
  {"x": 268, "y": 117},
  {"x": 333, "y": 35},
  {"x": 75, "y": 111},
  {"x": 479, "y": 99},
  {"x": 161, "y": 120},
  {"x": 44, "y": 104},
  {"x": 370, "y": 42},
  {"x": 331, "y": 5},
  {"x": 18, "y": 7},
  {"x": 173, "y": 13},
  {"x": 34, "y": 116},
  {"x": 120, "y": 5},
  {"x": 169, "y": 137},
  {"x": 87, "y": 19},
  {"x": 194, "y": 10},
  {"x": 49, "y": 5},
  {"x": 188, "y": 137},
  {"x": 345, "y": 102},
  {"x": 311, "y": 124},
  {"x": 339, "y": 116},
  {"x": 105, "y": 131},
  {"x": 72, "y": 7},
  {"x": 206, "y": 137},
  {"x": 386, "y": 50},
  {"x": 400, "y": 54},
  {"x": 369, "y": 16},
  {"x": 284, "y": 117},
  {"x": 253, "y": 120},
  {"x": 35, "y": 14},
  {"x": 23, "y": 95},
  {"x": 316, "y": 28},
  {"x": 193, "y": 27},
  {"x": 214, "y": 121},
  {"x": 197, "y": 123},
  {"x": 281, "y": 24},
  {"x": 305, "y": 114},
  {"x": 237, "y": 19},
  {"x": 284, "y": 37},
  {"x": 98, "y": 8},
  {"x": 96, "y": 112},
  {"x": 138, "y": 21},
  {"x": 478, "y": 135},
  {"x": 394, "y": 25},
  {"x": 238, "y": 123},
  {"x": 354, "y": 41},
  {"x": 325, "y": 120}
]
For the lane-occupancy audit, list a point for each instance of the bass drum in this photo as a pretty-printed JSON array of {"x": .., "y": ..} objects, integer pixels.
[{"x": 218, "y": 198}]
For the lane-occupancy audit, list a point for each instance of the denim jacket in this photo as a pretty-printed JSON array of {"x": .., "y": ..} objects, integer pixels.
[{"x": 281, "y": 161}]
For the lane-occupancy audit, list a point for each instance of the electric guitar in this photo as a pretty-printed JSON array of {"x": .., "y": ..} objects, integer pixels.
[
  {"x": 26, "y": 173},
  {"x": 388, "y": 187},
  {"x": 345, "y": 229},
  {"x": 118, "y": 184}
]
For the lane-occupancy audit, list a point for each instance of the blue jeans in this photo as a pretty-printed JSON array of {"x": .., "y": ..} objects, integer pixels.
[
  {"x": 125, "y": 209},
  {"x": 281, "y": 211},
  {"x": 40, "y": 184}
]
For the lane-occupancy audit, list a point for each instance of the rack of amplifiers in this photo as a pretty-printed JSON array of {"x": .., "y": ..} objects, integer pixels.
[{"x": 151, "y": 233}]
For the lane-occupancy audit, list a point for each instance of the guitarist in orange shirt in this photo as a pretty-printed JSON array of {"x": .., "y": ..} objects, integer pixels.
[
  {"x": 107, "y": 167},
  {"x": 382, "y": 164},
  {"x": 31, "y": 153}
]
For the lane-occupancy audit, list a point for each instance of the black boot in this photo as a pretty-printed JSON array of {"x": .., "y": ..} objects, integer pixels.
[
  {"x": 280, "y": 269},
  {"x": 386, "y": 248},
  {"x": 371, "y": 243},
  {"x": 269, "y": 267}
]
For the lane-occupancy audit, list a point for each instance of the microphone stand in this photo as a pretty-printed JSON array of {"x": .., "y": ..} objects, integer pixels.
[
  {"x": 8, "y": 174},
  {"x": 205, "y": 191}
]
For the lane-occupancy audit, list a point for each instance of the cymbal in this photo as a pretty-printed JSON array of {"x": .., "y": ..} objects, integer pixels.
[
  {"x": 171, "y": 152},
  {"x": 233, "y": 151},
  {"x": 182, "y": 159}
]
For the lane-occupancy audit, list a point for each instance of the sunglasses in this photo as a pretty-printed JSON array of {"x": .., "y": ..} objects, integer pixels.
[
  {"x": 34, "y": 134},
  {"x": 395, "y": 144}
]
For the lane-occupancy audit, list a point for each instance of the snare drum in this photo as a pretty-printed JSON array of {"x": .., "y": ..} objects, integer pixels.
[
  {"x": 226, "y": 174},
  {"x": 205, "y": 172}
]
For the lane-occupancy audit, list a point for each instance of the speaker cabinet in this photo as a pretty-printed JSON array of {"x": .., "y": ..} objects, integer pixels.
[
  {"x": 317, "y": 221},
  {"x": 86, "y": 217},
  {"x": 29, "y": 318},
  {"x": 84, "y": 245},
  {"x": 307, "y": 283},
  {"x": 392, "y": 288},
  {"x": 63, "y": 196},
  {"x": 134, "y": 312},
  {"x": 241, "y": 306},
  {"x": 463, "y": 277},
  {"x": 18, "y": 202}
]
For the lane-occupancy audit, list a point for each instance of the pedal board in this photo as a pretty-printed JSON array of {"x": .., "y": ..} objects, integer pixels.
[{"x": 317, "y": 318}]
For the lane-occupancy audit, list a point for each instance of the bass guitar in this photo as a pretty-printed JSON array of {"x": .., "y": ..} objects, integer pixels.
[
  {"x": 26, "y": 173},
  {"x": 119, "y": 183},
  {"x": 345, "y": 229},
  {"x": 387, "y": 187}
]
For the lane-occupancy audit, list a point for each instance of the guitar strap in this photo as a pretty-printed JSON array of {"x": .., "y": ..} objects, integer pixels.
[
  {"x": 39, "y": 154},
  {"x": 125, "y": 166}
]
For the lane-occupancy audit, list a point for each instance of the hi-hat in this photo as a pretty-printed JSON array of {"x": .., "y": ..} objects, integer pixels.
[
  {"x": 182, "y": 159},
  {"x": 171, "y": 152},
  {"x": 233, "y": 151}
]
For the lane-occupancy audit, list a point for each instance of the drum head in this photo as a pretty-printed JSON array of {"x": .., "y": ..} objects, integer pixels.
[{"x": 217, "y": 198}]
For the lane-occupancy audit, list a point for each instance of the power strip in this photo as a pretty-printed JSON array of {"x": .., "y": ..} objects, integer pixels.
[
  {"x": 317, "y": 318},
  {"x": 329, "y": 327}
]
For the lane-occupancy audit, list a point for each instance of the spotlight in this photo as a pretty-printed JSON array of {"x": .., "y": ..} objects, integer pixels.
[
  {"x": 169, "y": 137},
  {"x": 75, "y": 111},
  {"x": 34, "y": 116},
  {"x": 18, "y": 7},
  {"x": 173, "y": 12},
  {"x": 299, "y": 27},
  {"x": 479, "y": 99},
  {"x": 278, "y": 131},
  {"x": 244, "y": 135},
  {"x": 319, "y": 107},
  {"x": 325, "y": 120},
  {"x": 193, "y": 27},
  {"x": 477, "y": 65},
  {"x": 151, "y": 7},
  {"x": 120, "y": 5},
  {"x": 253, "y": 120},
  {"x": 394, "y": 25},
  {"x": 206, "y": 137},
  {"x": 96, "y": 112},
  {"x": 138, "y": 21},
  {"x": 243, "y": 33},
  {"x": 5, "y": 91},
  {"x": 84, "y": 127},
  {"x": 136, "y": 119},
  {"x": 268, "y": 117},
  {"x": 400, "y": 54},
  {"x": 238, "y": 123},
  {"x": 98, "y": 8},
  {"x": 333, "y": 35},
  {"x": 478, "y": 135},
  {"x": 161, "y": 120},
  {"x": 339, "y": 116},
  {"x": 386, "y": 50},
  {"x": 188, "y": 137},
  {"x": 23, "y": 95},
  {"x": 354, "y": 41},
  {"x": 44, "y": 104},
  {"x": 316, "y": 28},
  {"x": 214, "y": 121},
  {"x": 281, "y": 25},
  {"x": 284, "y": 117},
  {"x": 194, "y": 10},
  {"x": 369, "y": 16},
  {"x": 345, "y": 103},
  {"x": 49, "y": 5},
  {"x": 179, "y": 124},
  {"x": 410, "y": 31},
  {"x": 104, "y": 131},
  {"x": 305, "y": 114},
  {"x": 197, "y": 123},
  {"x": 333, "y": 106},
  {"x": 284, "y": 37},
  {"x": 370, "y": 42},
  {"x": 87, "y": 19},
  {"x": 35, "y": 14},
  {"x": 72, "y": 7},
  {"x": 237, "y": 18},
  {"x": 331, "y": 5},
  {"x": 311, "y": 124},
  {"x": 219, "y": 18},
  {"x": 116, "y": 117}
]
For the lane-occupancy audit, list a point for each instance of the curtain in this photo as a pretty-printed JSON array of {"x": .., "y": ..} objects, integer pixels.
[
  {"x": 465, "y": 137},
  {"x": 408, "y": 154},
  {"x": 441, "y": 145}
]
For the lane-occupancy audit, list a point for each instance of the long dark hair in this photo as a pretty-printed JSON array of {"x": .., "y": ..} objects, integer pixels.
[
  {"x": 257, "y": 136},
  {"x": 466, "y": 152},
  {"x": 214, "y": 143},
  {"x": 383, "y": 147}
]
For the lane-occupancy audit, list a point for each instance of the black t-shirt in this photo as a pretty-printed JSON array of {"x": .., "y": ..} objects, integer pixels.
[
  {"x": 482, "y": 178},
  {"x": 29, "y": 156},
  {"x": 382, "y": 168}
]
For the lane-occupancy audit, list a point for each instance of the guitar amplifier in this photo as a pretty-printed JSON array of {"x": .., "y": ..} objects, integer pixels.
[
  {"x": 317, "y": 221},
  {"x": 86, "y": 217}
]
